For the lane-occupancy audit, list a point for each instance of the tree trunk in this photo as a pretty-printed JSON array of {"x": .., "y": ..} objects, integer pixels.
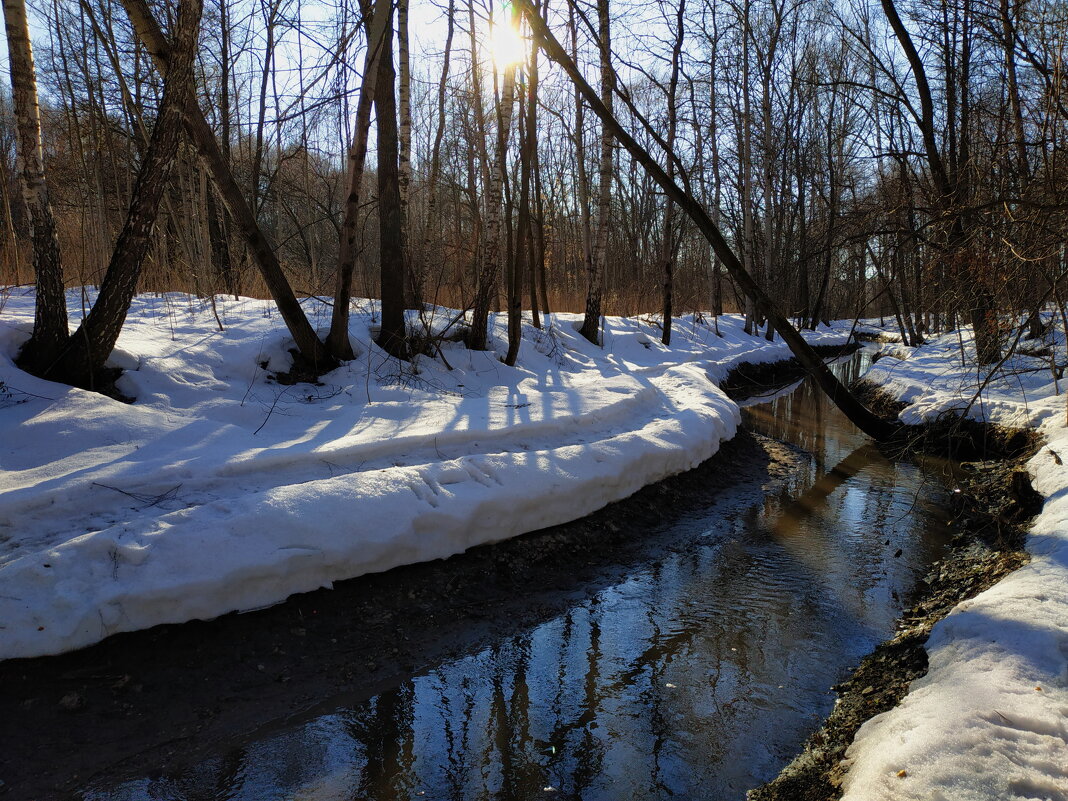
[
  {"x": 415, "y": 278},
  {"x": 89, "y": 347},
  {"x": 667, "y": 251},
  {"x": 431, "y": 229},
  {"x": 582, "y": 174},
  {"x": 392, "y": 338},
  {"x": 533, "y": 217},
  {"x": 489, "y": 272},
  {"x": 219, "y": 243},
  {"x": 521, "y": 259},
  {"x": 50, "y": 317},
  {"x": 745, "y": 172},
  {"x": 591, "y": 322},
  {"x": 338, "y": 339}
]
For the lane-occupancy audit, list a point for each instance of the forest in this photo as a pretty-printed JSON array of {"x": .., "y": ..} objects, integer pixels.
[{"x": 857, "y": 158}]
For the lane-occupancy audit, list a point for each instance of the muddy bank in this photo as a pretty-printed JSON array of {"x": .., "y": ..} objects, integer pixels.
[
  {"x": 950, "y": 436},
  {"x": 992, "y": 514},
  {"x": 747, "y": 380},
  {"x": 158, "y": 702}
]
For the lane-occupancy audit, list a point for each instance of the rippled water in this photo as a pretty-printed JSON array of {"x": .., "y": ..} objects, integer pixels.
[{"x": 696, "y": 676}]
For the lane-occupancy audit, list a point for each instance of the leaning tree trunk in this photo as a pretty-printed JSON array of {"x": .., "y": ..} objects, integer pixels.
[
  {"x": 861, "y": 416},
  {"x": 50, "y": 318},
  {"x": 338, "y": 339},
  {"x": 259, "y": 248},
  {"x": 89, "y": 347}
]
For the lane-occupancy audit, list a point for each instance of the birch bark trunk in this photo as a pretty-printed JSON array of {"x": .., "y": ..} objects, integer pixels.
[
  {"x": 50, "y": 316},
  {"x": 591, "y": 323}
]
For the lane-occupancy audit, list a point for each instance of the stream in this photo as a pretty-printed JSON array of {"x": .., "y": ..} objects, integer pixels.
[{"x": 696, "y": 673}]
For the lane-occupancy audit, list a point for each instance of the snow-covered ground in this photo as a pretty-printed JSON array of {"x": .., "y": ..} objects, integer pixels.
[
  {"x": 990, "y": 718},
  {"x": 221, "y": 490}
]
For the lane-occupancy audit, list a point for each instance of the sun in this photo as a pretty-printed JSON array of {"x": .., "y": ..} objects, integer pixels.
[{"x": 507, "y": 45}]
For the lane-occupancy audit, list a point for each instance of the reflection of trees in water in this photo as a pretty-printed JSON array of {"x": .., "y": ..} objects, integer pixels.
[
  {"x": 785, "y": 593},
  {"x": 804, "y": 416},
  {"x": 815, "y": 498},
  {"x": 798, "y": 418},
  {"x": 582, "y": 759},
  {"x": 385, "y": 732},
  {"x": 212, "y": 780}
]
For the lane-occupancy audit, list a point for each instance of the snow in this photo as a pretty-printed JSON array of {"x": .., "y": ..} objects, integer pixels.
[
  {"x": 221, "y": 490},
  {"x": 990, "y": 718}
]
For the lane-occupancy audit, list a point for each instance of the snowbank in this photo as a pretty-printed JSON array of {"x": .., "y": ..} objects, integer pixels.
[
  {"x": 990, "y": 718},
  {"x": 221, "y": 490}
]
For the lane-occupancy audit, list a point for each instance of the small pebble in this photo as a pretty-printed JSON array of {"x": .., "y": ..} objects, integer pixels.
[
  {"x": 71, "y": 702},
  {"x": 901, "y": 774}
]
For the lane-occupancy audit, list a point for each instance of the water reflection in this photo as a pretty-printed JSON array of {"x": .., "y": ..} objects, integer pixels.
[{"x": 696, "y": 676}]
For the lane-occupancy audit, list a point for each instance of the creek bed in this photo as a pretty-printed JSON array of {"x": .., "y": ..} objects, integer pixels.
[{"x": 690, "y": 661}]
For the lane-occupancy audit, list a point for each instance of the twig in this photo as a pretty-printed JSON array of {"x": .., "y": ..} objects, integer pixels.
[{"x": 148, "y": 500}]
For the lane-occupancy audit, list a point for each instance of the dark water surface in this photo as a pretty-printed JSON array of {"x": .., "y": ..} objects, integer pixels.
[{"x": 696, "y": 676}]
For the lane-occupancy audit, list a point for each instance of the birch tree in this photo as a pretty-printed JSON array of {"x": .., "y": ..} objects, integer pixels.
[
  {"x": 50, "y": 316},
  {"x": 80, "y": 358},
  {"x": 591, "y": 322}
]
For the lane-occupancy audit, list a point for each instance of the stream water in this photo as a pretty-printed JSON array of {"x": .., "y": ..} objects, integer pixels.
[{"x": 696, "y": 675}]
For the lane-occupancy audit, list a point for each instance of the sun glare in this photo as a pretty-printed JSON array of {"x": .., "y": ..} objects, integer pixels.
[{"x": 507, "y": 45}]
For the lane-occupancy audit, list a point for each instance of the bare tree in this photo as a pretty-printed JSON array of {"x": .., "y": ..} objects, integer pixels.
[
  {"x": 861, "y": 416},
  {"x": 591, "y": 322},
  {"x": 263, "y": 254},
  {"x": 392, "y": 337},
  {"x": 81, "y": 356},
  {"x": 50, "y": 317}
]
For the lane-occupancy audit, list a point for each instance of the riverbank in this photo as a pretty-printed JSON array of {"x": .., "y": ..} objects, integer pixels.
[
  {"x": 989, "y": 545},
  {"x": 222, "y": 488},
  {"x": 968, "y": 700}
]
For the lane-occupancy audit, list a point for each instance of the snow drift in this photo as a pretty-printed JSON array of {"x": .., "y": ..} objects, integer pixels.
[{"x": 221, "y": 489}]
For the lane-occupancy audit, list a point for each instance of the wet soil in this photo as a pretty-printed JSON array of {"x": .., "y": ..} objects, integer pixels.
[
  {"x": 992, "y": 514},
  {"x": 184, "y": 692},
  {"x": 949, "y": 435},
  {"x": 747, "y": 380}
]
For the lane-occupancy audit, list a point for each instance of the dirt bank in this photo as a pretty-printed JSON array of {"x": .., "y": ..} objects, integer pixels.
[{"x": 747, "y": 380}]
